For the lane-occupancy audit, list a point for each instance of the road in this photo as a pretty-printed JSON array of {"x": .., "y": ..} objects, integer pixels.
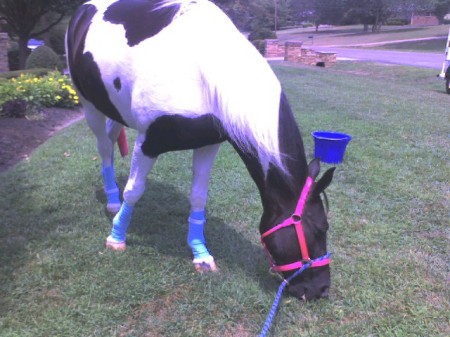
[{"x": 425, "y": 60}]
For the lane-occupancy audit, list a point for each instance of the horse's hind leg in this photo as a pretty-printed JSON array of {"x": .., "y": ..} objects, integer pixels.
[
  {"x": 140, "y": 167},
  {"x": 202, "y": 163},
  {"x": 106, "y": 135}
]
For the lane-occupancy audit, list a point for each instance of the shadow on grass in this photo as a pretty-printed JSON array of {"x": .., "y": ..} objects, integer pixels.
[{"x": 160, "y": 221}]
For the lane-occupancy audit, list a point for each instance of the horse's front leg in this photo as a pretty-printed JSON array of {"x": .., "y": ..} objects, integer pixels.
[
  {"x": 202, "y": 163},
  {"x": 106, "y": 134},
  {"x": 135, "y": 187}
]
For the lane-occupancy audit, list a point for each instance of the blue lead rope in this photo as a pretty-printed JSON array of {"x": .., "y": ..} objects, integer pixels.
[{"x": 276, "y": 301}]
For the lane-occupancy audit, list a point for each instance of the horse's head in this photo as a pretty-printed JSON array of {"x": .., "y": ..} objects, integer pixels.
[{"x": 302, "y": 238}]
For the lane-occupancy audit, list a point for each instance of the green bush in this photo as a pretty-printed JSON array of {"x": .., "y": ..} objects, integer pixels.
[
  {"x": 57, "y": 38},
  {"x": 43, "y": 57},
  {"x": 260, "y": 45},
  {"x": 16, "y": 108},
  {"x": 261, "y": 34},
  {"x": 51, "y": 90}
]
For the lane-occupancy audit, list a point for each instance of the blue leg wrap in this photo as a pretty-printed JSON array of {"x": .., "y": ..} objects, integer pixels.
[
  {"x": 196, "y": 239},
  {"x": 121, "y": 222},
  {"x": 111, "y": 188}
]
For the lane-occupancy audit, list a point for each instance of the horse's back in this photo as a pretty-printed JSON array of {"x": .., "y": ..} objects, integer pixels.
[{"x": 192, "y": 62}]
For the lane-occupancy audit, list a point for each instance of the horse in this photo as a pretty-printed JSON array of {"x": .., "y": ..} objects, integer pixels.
[{"x": 181, "y": 74}]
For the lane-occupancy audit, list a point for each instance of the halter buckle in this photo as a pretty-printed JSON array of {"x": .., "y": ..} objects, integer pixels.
[
  {"x": 296, "y": 218},
  {"x": 276, "y": 274}
]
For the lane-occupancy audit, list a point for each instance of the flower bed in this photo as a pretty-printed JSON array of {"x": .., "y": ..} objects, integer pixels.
[{"x": 37, "y": 92}]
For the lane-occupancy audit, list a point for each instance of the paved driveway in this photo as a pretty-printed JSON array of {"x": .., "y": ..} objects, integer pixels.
[{"x": 426, "y": 60}]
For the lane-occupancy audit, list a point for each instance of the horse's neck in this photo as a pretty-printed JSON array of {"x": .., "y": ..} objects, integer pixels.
[
  {"x": 280, "y": 194},
  {"x": 279, "y": 187}
]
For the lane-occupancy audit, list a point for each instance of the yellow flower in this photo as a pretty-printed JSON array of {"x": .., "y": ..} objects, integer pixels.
[{"x": 58, "y": 98}]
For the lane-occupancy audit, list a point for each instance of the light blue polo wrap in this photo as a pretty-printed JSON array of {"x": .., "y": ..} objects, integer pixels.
[
  {"x": 111, "y": 188},
  {"x": 196, "y": 239},
  {"x": 121, "y": 222}
]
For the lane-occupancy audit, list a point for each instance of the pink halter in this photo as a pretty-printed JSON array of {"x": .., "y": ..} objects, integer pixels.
[{"x": 296, "y": 220}]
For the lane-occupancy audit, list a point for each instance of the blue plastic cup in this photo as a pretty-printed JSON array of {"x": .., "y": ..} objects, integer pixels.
[{"x": 329, "y": 146}]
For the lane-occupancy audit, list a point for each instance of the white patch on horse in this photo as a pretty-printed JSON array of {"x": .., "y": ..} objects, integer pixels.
[{"x": 199, "y": 64}]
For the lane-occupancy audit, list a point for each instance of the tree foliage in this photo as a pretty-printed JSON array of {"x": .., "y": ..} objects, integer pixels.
[
  {"x": 28, "y": 19},
  {"x": 441, "y": 8},
  {"x": 372, "y": 13}
]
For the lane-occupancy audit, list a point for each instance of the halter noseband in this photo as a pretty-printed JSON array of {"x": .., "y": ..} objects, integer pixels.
[{"x": 296, "y": 221}]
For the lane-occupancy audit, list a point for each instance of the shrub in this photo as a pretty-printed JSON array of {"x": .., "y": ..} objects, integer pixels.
[
  {"x": 262, "y": 34},
  {"x": 43, "y": 57},
  {"x": 260, "y": 45},
  {"x": 51, "y": 90},
  {"x": 16, "y": 108},
  {"x": 57, "y": 38}
]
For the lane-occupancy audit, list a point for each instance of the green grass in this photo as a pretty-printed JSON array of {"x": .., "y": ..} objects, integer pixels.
[
  {"x": 354, "y": 35},
  {"x": 436, "y": 46},
  {"x": 389, "y": 227}
]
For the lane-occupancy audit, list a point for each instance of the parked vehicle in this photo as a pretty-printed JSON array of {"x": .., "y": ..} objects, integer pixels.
[{"x": 445, "y": 72}]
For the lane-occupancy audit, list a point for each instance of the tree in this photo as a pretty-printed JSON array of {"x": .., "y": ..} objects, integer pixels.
[
  {"x": 28, "y": 19},
  {"x": 441, "y": 9},
  {"x": 238, "y": 11},
  {"x": 327, "y": 12},
  {"x": 252, "y": 14},
  {"x": 369, "y": 12},
  {"x": 376, "y": 12},
  {"x": 319, "y": 11}
]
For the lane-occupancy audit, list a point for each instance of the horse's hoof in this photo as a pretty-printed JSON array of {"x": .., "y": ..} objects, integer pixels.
[
  {"x": 206, "y": 265},
  {"x": 115, "y": 245},
  {"x": 113, "y": 208}
]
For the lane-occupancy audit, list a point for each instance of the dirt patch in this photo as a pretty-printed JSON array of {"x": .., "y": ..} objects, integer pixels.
[{"x": 19, "y": 137}]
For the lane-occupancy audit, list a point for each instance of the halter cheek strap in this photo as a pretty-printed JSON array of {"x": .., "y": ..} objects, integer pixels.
[{"x": 296, "y": 221}]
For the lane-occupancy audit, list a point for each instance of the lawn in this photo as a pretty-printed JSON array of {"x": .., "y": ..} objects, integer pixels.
[
  {"x": 389, "y": 235},
  {"x": 354, "y": 36},
  {"x": 431, "y": 46}
]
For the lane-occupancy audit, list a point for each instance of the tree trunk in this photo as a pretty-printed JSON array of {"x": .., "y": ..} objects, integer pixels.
[
  {"x": 23, "y": 51},
  {"x": 366, "y": 27},
  {"x": 376, "y": 27}
]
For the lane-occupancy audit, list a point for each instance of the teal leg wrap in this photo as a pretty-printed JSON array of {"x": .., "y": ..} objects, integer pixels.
[
  {"x": 196, "y": 239},
  {"x": 121, "y": 222},
  {"x": 111, "y": 188}
]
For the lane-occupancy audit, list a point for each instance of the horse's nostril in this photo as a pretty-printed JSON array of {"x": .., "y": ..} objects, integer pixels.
[{"x": 324, "y": 292}]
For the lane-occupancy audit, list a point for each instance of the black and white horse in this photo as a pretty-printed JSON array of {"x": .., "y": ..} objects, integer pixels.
[{"x": 184, "y": 77}]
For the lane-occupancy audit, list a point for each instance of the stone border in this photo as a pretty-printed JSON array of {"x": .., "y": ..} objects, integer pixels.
[{"x": 292, "y": 51}]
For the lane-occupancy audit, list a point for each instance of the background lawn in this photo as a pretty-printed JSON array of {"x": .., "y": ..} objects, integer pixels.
[
  {"x": 389, "y": 235},
  {"x": 354, "y": 35}
]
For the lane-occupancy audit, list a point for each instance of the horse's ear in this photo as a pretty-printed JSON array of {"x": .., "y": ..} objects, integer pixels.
[
  {"x": 314, "y": 168},
  {"x": 325, "y": 181}
]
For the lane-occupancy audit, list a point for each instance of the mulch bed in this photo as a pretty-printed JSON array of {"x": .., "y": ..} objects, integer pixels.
[{"x": 19, "y": 137}]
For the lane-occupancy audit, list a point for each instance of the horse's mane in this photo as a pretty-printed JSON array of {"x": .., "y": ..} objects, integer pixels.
[{"x": 238, "y": 83}]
